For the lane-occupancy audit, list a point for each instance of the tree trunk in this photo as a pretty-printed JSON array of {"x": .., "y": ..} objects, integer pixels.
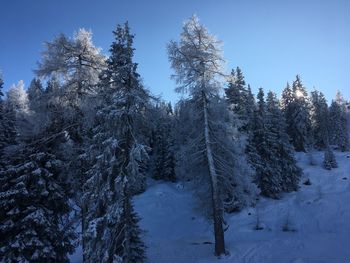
[{"x": 217, "y": 206}]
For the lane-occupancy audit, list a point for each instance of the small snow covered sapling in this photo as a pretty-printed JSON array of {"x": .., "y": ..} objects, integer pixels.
[
  {"x": 307, "y": 181},
  {"x": 287, "y": 225},
  {"x": 258, "y": 225},
  {"x": 311, "y": 159},
  {"x": 329, "y": 160}
]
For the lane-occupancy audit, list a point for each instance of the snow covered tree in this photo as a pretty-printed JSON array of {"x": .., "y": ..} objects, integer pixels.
[
  {"x": 338, "y": 124},
  {"x": 76, "y": 63},
  {"x": 72, "y": 66},
  {"x": 75, "y": 60},
  {"x": 35, "y": 95},
  {"x": 8, "y": 129},
  {"x": 163, "y": 144},
  {"x": 319, "y": 120},
  {"x": 283, "y": 155},
  {"x": 34, "y": 207},
  {"x": 17, "y": 98},
  {"x": 260, "y": 151},
  {"x": 17, "y": 108},
  {"x": 111, "y": 232},
  {"x": 270, "y": 151},
  {"x": 240, "y": 98},
  {"x": 196, "y": 60},
  {"x": 329, "y": 160},
  {"x": 3, "y": 138},
  {"x": 296, "y": 108},
  {"x": 250, "y": 109}
]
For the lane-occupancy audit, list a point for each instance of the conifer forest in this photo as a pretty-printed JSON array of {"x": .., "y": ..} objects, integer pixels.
[{"x": 95, "y": 167}]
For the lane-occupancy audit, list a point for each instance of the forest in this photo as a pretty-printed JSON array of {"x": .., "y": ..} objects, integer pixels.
[{"x": 87, "y": 137}]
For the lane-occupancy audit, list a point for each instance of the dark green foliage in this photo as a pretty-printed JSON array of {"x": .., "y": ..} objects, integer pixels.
[
  {"x": 130, "y": 247},
  {"x": 270, "y": 151},
  {"x": 33, "y": 204},
  {"x": 296, "y": 109},
  {"x": 319, "y": 120},
  {"x": 329, "y": 160},
  {"x": 8, "y": 129},
  {"x": 163, "y": 145},
  {"x": 338, "y": 126},
  {"x": 240, "y": 98},
  {"x": 117, "y": 156}
]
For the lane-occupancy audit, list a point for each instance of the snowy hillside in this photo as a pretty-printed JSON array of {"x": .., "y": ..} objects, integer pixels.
[{"x": 317, "y": 217}]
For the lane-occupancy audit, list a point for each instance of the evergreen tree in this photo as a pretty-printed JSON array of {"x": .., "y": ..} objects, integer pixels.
[
  {"x": 329, "y": 160},
  {"x": 236, "y": 91},
  {"x": 283, "y": 156},
  {"x": 319, "y": 120},
  {"x": 2, "y": 118},
  {"x": 111, "y": 232},
  {"x": 270, "y": 150},
  {"x": 8, "y": 129},
  {"x": 250, "y": 109},
  {"x": 34, "y": 207},
  {"x": 296, "y": 107},
  {"x": 339, "y": 127},
  {"x": 260, "y": 152},
  {"x": 35, "y": 95},
  {"x": 163, "y": 144},
  {"x": 240, "y": 98}
]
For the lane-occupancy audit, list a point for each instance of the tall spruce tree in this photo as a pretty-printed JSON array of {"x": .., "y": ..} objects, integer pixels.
[
  {"x": 111, "y": 232},
  {"x": 339, "y": 128},
  {"x": 163, "y": 145},
  {"x": 329, "y": 160},
  {"x": 296, "y": 108},
  {"x": 35, "y": 95},
  {"x": 286, "y": 166},
  {"x": 2, "y": 118},
  {"x": 239, "y": 97},
  {"x": 270, "y": 150},
  {"x": 34, "y": 206},
  {"x": 8, "y": 129},
  {"x": 319, "y": 120}
]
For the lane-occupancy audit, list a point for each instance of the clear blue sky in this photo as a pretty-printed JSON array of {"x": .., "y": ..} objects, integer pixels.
[{"x": 271, "y": 40}]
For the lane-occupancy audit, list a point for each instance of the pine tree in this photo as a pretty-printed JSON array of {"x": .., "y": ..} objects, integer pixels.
[
  {"x": 296, "y": 109},
  {"x": 270, "y": 150},
  {"x": 163, "y": 144},
  {"x": 111, "y": 232},
  {"x": 2, "y": 118},
  {"x": 260, "y": 152},
  {"x": 329, "y": 160},
  {"x": 35, "y": 95},
  {"x": 250, "y": 109},
  {"x": 285, "y": 162},
  {"x": 339, "y": 129},
  {"x": 240, "y": 98},
  {"x": 8, "y": 129},
  {"x": 319, "y": 120},
  {"x": 34, "y": 207}
]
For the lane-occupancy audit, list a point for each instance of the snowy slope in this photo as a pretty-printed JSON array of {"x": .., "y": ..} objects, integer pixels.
[{"x": 318, "y": 216}]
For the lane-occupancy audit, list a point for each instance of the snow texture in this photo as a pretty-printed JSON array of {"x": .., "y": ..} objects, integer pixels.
[{"x": 317, "y": 217}]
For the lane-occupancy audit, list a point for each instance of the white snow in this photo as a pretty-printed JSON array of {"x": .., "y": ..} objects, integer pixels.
[{"x": 319, "y": 216}]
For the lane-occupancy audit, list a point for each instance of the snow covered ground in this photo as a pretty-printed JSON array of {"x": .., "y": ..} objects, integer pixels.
[{"x": 318, "y": 219}]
